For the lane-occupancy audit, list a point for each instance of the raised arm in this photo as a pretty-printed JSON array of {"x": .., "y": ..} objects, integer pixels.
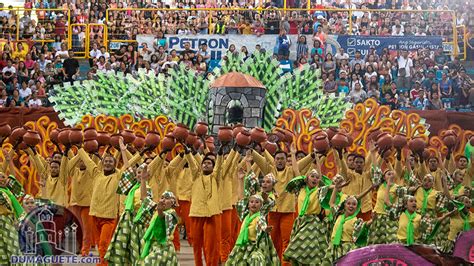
[
  {"x": 90, "y": 165},
  {"x": 143, "y": 178},
  {"x": 195, "y": 169},
  {"x": 40, "y": 168},
  {"x": 294, "y": 162},
  {"x": 307, "y": 160},
  {"x": 261, "y": 162}
]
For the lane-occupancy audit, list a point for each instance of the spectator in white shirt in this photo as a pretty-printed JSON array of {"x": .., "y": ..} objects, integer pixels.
[
  {"x": 94, "y": 54},
  {"x": 405, "y": 68},
  {"x": 104, "y": 53},
  {"x": 25, "y": 91},
  {"x": 340, "y": 55},
  {"x": 398, "y": 31},
  {"x": 63, "y": 54},
  {"x": 9, "y": 70},
  {"x": 34, "y": 102}
]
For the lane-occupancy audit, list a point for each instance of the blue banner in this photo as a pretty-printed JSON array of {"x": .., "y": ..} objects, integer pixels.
[{"x": 351, "y": 44}]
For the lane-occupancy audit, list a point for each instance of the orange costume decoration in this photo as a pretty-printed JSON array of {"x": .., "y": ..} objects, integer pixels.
[{"x": 282, "y": 216}]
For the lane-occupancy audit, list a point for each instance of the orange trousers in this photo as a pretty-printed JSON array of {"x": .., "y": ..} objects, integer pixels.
[
  {"x": 105, "y": 228},
  {"x": 236, "y": 223},
  {"x": 89, "y": 232},
  {"x": 183, "y": 212},
  {"x": 282, "y": 224},
  {"x": 226, "y": 235},
  {"x": 176, "y": 243},
  {"x": 204, "y": 237}
]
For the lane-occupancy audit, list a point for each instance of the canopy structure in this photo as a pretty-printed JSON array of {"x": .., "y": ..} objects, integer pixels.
[{"x": 237, "y": 80}]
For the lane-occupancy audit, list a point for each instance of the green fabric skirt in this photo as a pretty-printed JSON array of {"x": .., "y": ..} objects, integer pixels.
[
  {"x": 260, "y": 253},
  {"x": 336, "y": 252},
  {"x": 127, "y": 242},
  {"x": 383, "y": 230},
  {"x": 307, "y": 241},
  {"x": 9, "y": 244},
  {"x": 161, "y": 254}
]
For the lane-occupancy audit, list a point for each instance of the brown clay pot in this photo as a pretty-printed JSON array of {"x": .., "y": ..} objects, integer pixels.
[
  {"x": 152, "y": 139},
  {"x": 32, "y": 138},
  {"x": 320, "y": 133},
  {"x": 471, "y": 141},
  {"x": 75, "y": 136},
  {"x": 191, "y": 139},
  {"x": 17, "y": 134},
  {"x": 280, "y": 133},
  {"x": 181, "y": 132},
  {"x": 417, "y": 144},
  {"x": 128, "y": 136},
  {"x": 63, "y": 136},
  {"x": 271, "y": 147},
  {"x": 237, "y": 129},
  {"x": 288, "y": 136},
  {"x": 5, "y": 129},
  {"x": 139, "y": 142},
  {"x": 197, "y": 144},
  {"x": 103, "y": 138},
  {"x": 90, "y": 133},
  {"x": 115, "y": 140},
  {"x": 91, "y": 146},
  {"x": 426, "y": 154},
  {"x": 225, "y": 134},
  {"x": 374, "y": 133},
  {"x": 399, "y": 140},
  {"x": 258, "y": 135},
  {"x": 168, "y": 142},
  {"x": 331, "y": 131},
  {"x": 243, "y": 138},
  {"x": 384, "y": 141},
  {"x": 53, "y": 135},
  {"x": 339, "y": 141},
  {"x": 321, "y": 143},
  {"x": 210, "y": 144},
  {"x": 449, "y": 140},
  {"x": 350, "y": 140},
  {"x": 22, "y": 146},
  {"x": 201, "y": 128},
  {"x": 449, "y": 132}
]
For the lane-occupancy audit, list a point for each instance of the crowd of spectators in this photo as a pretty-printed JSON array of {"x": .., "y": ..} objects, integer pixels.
[{"x": 30, "y": 67}]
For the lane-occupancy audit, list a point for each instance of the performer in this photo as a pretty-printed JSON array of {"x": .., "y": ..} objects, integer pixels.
[
  {"x": 409, "y": 221},
  {"x": 463, "y": 165},
  {"x": 282, "y": 216},
  {"x": 458, "y": 188},
  {"x": 105, "y": 201},
  {"x": 158, "y": 247},
  {"x": 10, "y": 211},
  {"x": 383, "y": 228},
  {"x": 253, "y": 245},
  {"x": 462, "y": 220},
  {"x": 205, "y": 207}
]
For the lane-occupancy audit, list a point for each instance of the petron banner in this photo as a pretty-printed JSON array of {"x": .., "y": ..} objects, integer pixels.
[{"x": 219, "y": 44}]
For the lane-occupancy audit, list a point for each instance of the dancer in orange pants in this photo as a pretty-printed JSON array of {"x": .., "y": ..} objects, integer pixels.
[
  {"x": 176, "y": 243},
  {"x": 282, "y": 224},
  {"x": 235, "y": 225},
  {"x": 204, "y": 233},
  {"x": 106, "y": 227},
  {"x": 183, "y": 212},
  {"x": 226, "y": 234}
]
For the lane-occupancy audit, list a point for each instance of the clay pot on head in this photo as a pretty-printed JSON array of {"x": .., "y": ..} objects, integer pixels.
[
  {"x": 331, "y": 131},
  {"x": 90, "y": 133},
  {"x": 5, "y": 130},
  {"x": 152, "y": 139},
  {"x": 128, "y": 136},
  {"x": 201, "y": 128},
  {"x": 181, "y": 132},
  {"x": 243, "y": 138},
  {"x": 271, "y": 147},
  {"x": 53, "y": 135},
  {"x": 237, "y": 129},
  {"x": 91, "y": 145},
  {"x": 210, "y": 144},
  {"x": 321, "y": 143},
  {"x": 279, "y": 133},
  {"x": 288, "y": 136},
  {"x": 17, "y": 134},
  {"x": 384, "y": 141},
  {"x": 426, "y": 154},
  {"x": 75, "y": 136},
  {"x": 63, "y": 136},
  {"x": 168, "y": 142},
  {"x": 449, "y": 140},
  {"x": 191, "y": 139},
  {"x": 22, "y": 146},
  {"x": 339, "y": 141},
  {"x": 258, "y": 135},
  {"x": 225, "y": 134},
  {"x": 399, "y": 141},
  {"x": 139, "y": 142},
  {"x": 321, "y": 133},
  {"x": 115, "y": 140},
  {"x": 417, "y": 144},
  {"x": 32, "y": 138},
  {"x": 103, "y": 138}
]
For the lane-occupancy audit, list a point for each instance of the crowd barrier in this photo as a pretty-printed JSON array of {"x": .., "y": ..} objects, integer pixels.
[
  {"x": 48, "y": 16},
  {"x": 437, "y": 119}
]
